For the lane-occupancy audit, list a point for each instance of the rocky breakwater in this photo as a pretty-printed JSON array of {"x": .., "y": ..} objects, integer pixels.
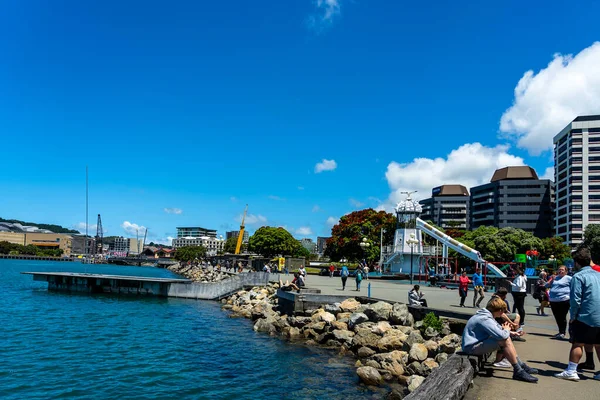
[
  {"x": 389, "y": 346},
  {"x": 197, "y": 273}
]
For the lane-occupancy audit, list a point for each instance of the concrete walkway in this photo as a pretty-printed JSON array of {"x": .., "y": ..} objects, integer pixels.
[{"x": 540, "y": 351}]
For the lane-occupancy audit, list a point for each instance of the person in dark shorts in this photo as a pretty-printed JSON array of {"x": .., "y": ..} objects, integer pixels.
[
  {"x": 585, "y": 312},
  {"x": 288, "y": 287}
]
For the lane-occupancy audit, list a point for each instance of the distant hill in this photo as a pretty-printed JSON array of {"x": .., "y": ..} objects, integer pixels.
[{"x": 50, "y": 227}]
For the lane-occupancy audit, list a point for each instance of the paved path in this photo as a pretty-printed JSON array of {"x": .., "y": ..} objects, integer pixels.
[{"x": 540, "y": 351}]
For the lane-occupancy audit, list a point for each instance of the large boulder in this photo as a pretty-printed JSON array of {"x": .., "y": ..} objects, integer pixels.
[
  {"x": 414, "y": 337},
  {"x": 373, "y": 363},
  {"x": 294, "y": 333},
  {"x": 317, "y": 326},
  {"x": 391, "y": 342},
  {"x": 369, "y": 376},
  {"x": 355, "y": 319},
  {"x": 428, "y": 366},
  {"x": 349, "y": 305},
  {"x": 299, "y": 322},
  {"x": 265, "y": 325},
  {"x": 430, "y": 333},
  {"x": 324, "y": 316},
  {"x": 342, "y": 326},
  {"x": 393, "y": 367},
  {"x": 441, "y": 358},
  {"x": 397, "y": 355},
  {"x": 418, "y": 352},
  {"x": 365, "y": 338},
  {"x": 399, "y": 314},
  {"x": 334, "y": 308},
  {"x": 343, "y": 336},
  {"x": 414, "y": 382},
  {"x": 432, "y": 347},
  {"x": 365, "y": 352},
  {"x": 381, "y": 327},
  {"x": 379, "y": 311},
  {"x": 450, "y": 343},
  {"x": 414, "y": 368},
  {"x": 343, "y": 317}
]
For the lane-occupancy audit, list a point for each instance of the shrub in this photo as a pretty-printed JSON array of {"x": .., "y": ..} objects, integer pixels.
[{"x": 432, "y": 321}]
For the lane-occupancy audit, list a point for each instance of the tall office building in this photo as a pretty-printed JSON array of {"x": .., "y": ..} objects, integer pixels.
[
  {"x": 321, "y": 245},
  {"x": 448, "y": 207},
  {"x": 515, "y": 197},
  {"x": 235, "y": 234},
  {"x": 577, "y": 177}
]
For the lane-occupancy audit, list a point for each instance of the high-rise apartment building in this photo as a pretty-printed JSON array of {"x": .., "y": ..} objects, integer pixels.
[
  {"x": 321, "y": 245},
  {"x": 195, "y": 231},
  {"x": 577, "y": 178},
  {"x": 448, "y": 207},
  {"x": 515, "y": 197}
]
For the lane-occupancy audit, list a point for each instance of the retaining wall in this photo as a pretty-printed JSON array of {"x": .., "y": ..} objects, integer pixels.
[{"x": 212, "y": 291}]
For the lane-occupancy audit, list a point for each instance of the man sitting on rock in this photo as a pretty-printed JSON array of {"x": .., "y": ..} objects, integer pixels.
[
  {"x": 483, "y": 335},
  {"x": 288, "y": 287}
]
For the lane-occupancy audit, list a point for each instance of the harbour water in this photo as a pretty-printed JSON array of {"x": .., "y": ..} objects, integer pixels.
[{"x": 79, "y": 346}]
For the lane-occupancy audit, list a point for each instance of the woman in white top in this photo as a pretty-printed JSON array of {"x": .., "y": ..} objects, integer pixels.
[{"x": 519, "y": 291}]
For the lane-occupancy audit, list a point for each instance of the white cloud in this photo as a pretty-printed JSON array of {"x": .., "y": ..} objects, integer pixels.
[
  {"x": 167, "y": 241},
  {"x": 80, "y": 226},
  {"x": 316, "y": 208},
  {"x": 300, "y": 187},
  {"x": 548, "y": 174},
  {"x": 131, "y": 228},
  {"x": 355, "y": 203},
  {"x": 276, "y": 198},
  {"x": 233, "y": 198},
  {"x": 470, "y": 165},
  {"x": 304, "y": 231},
  {"x": 331, "y": 221},
  {"x": 546, "y": 102},
  {"x": 252, "y": 219},
  {"x": 173, "y": 210},
  {"x": 326, "y": 12},
  {"x": 325, "y": 165}
]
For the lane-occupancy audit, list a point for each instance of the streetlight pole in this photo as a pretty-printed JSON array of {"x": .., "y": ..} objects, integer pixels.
[
  {"x": 381, "y": 248},
  {"x": 412, "y": 241}
]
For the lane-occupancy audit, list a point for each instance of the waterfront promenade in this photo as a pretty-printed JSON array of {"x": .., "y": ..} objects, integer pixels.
[{"x": 540, "y": 351}]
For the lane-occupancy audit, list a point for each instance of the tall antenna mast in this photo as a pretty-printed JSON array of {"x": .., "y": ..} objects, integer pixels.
[{"x": 86, "y": 211}]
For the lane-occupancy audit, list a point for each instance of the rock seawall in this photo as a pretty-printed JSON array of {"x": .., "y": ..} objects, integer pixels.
[
  {"x": 389, "y": 346},
  {"x": 198, "y": 273}
]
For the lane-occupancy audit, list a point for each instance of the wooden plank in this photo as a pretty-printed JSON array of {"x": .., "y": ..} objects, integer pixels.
[{"x": 448, "y": 382}]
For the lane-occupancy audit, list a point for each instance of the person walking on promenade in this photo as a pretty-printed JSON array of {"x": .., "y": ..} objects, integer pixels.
[
  {"x": 331, "y": 270},
  {"x": 359, "y": 278},
  {"x": 585, "y": 313},
  {"x": 366, "y": 271},
  {"x": 344, "y": 273},
  {"x": 302, "y": 276},
  {"x": 463, "y": 287},
  {"x": 483, "y": 335},
  {"x": 478, "y": 287},
  {"x": 519, "y": 291},
  {"x": 560, "y": 293}
]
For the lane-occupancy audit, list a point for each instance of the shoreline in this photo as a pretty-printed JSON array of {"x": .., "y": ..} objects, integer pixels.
[{"x": 392, "y": 351}]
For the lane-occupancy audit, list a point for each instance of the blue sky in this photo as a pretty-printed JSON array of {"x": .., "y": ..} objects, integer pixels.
[{"x": 186, "y": 111}]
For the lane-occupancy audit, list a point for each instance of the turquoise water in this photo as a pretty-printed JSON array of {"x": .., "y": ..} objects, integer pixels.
[{"x": 79, "y": 346}]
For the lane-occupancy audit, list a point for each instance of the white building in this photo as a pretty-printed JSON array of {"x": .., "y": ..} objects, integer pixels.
[
  {"x": 211, "y": 244},
  {"x": 577, "y": 178}
]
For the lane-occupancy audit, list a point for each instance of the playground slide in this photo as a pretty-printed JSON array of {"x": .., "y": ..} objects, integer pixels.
[{"x": 457, "y": 246}]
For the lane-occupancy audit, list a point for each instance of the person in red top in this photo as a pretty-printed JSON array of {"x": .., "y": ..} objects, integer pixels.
[
  {"x": 463, "y": 287},
  {"x": 331, "y": 270}
]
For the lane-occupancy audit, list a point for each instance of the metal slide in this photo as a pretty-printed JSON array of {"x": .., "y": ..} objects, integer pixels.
[{"x": 457, "y": 246}]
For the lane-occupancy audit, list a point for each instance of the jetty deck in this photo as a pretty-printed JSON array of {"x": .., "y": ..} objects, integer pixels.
[{"x": 102, "y": 283}]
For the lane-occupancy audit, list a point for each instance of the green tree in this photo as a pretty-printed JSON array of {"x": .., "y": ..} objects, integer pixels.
[
  {"x": 352, "y": 228},
  {"x": 189, "y": 253},
  {"x": 302, "y": 252},
  {"x": 270, "y": 241},
  {"x": 6, "y": 247},
  {"x": 230, "y": 245},
  {"x": 591, "y": 239},
  {"x": 554, "y": 246}
]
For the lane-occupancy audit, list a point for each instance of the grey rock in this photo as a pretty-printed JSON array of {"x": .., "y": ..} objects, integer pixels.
[
  {"x": 414, "y": 337},
  {"x": 450, "y": 343},
  {"x": 418, "y": 352},
  {"x": 356, "y": 319},
  {"x": 343, "y": 336},
  {"x": 428, "y": 366},
  {"x": 379, "y": 311},
  {"x": 399, "y": 314},
  {"x": 394, "y": 395},
  {"x": 441, "y": 358},
  {"x": 369, "y": 376},
  {"x": 414, "y": 368},
  {"x": 414, "y": 382},
  {"x": 333, "y": 308},
  {"x": 430, "y": 333},
  {"x": 373, "y": 363},
  {"x": 365, "y": 352}
]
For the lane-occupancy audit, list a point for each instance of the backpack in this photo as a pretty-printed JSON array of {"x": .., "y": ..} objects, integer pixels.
[{"x": 359, "y": 276}]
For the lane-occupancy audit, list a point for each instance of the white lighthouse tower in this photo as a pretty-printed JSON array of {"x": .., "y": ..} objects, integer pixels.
[{"x": 408, "y": 243}]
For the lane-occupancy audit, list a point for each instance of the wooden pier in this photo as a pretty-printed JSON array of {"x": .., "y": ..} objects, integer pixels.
[{"x": 101, "y": 283}]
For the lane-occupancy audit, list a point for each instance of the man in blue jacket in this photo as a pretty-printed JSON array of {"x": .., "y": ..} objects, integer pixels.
[
  {"x": 585, "y": 312},
  {"x": 478, "y": 286}
]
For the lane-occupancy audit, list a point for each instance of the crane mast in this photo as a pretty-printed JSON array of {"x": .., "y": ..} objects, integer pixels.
[
  {"x": 238, "y": 246},
  {"x": 99, "y": 236}
]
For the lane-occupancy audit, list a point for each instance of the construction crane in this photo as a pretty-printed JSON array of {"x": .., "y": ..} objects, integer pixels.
[
  {"x": 238, "y": 246},
  {"x": 99, "y": 236}
]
